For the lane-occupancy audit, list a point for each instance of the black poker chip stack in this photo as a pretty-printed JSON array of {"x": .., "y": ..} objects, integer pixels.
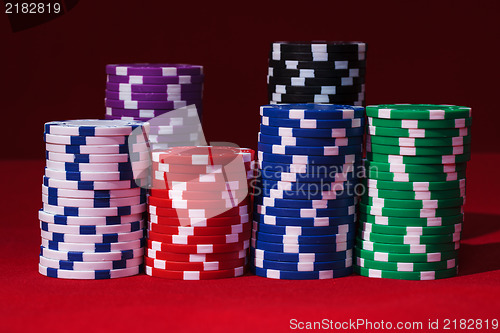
[{"x": 317, "y": 72}]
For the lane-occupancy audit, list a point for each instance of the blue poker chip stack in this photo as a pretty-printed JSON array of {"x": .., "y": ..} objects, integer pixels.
[
  {"x": 92, "y": 223},
  {"x": 317, "y": 72},
  {"x": 150, "y": 92},
  {"x": 305, "y": 198}
]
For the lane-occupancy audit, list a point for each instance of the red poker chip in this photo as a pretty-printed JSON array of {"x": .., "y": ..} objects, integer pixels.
[
  {"x": 199, "y": 222},
  {"x": 202, "y": 169},
  {"x": 198, "y": 213},
  {"x": 200, "y": 231},
  {"x": 197, "y": 204},
  {"x": 203, "y": 257},
  {"x": 194, "y": 195},
  {"x": 200, "y": 186},
  {"x": 195, "y": 240},
  {"x": 195, "y": 275},
  {"x": 199, "y": 248},
  {"x": 206, "y": 155},
  {"x": 194, "y": 266}
]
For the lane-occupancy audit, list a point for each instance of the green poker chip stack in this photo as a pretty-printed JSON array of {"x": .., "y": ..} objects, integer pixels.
[{"x": 411, "y": 210}]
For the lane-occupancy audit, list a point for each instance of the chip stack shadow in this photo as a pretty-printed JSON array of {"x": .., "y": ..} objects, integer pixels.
[
  {"x": 317, "y": 72},
  {"x": 92, "y": 224},
  {"x": 146, "y": 92},
  {"x": 412, "y": 211},
  {"x": 304, "y": 222},
  {"x": 199, "y": 208}
]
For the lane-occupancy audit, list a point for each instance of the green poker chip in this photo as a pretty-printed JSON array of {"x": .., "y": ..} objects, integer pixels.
[
  {"x": 401, "y": 257},
  {"x": 417, "y": 151},
  {"x": 410, "y": 231},
  {"x": 418, "y": 133},
  {"x": 423, "y": 124},
  {"x": 406, "y": 212},
  {"x": 412, "y": 221},
  {"x": 412, "y": 204},
  {"x": 406, "y": 248},
  {"x": 425, "y": 275},
  {"x": 414, "y": 168},
  {"x": 414, "y": 186},
  {"x": 410, "y": 195},
  {"x": 409, "y": 239},
  {"x": 419, "y": 142},
  {"x": 418, "y": 111},
  {"x": 433, "y": 159},
  {"x": 414, "y": 177},
  {"x": 406, "y": 266}
]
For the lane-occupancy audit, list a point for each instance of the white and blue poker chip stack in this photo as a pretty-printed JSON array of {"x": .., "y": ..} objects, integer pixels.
[
  {"x": 92, "y": 223},
  {"x": 148, "y": 91},
  {"x": 317, "y": 72},
  {"x": 305, "y": 214}
]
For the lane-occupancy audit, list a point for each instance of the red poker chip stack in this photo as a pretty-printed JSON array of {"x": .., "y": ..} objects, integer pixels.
[{"x": 199, "y": 212}]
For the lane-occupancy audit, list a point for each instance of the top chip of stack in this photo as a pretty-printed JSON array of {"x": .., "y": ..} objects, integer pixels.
[
  {"x": 317, "y": 72},
  {"x": 411, "y": 213},
  {"x": 149, "y": 91}
]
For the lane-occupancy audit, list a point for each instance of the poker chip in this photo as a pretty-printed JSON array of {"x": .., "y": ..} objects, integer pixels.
[
  {"x": 80, "y": 256},
  {"x": 315, "y": 73},
  {"x": 313, "y": 112},
  {"x": 306, "y": 212},
  {"x": 304, "y": 150},
  {"x": 303, "y": 231},
  {"x": 299, "y": 275},
  {"x": 295, "y": 239},
  {"x": 415, "y": 168},
  {"x": 299, "y": 248},
  {"x": 319, "y": 46},
  {"x": 317, "y": 56},
  {"x": 301, "y": 266},
  {"x": 88, "y": 275},
  {"x": 196, "y": 257},
  {"x": 306, "y": 204},
  {"x": 167, "y": 96},
  {"x": 194, "y": 266},
  {"x": 424, "y": 275},
  {"x": 154, "y": 88},
  {"x": 298, "y": 141},
  {"x": 405, "y": 258},
  {"x": 412, "y": 211},
  {"x": 418, "y": 111},
  {"x": 412, "y": 221},
  {"x": 311, "y": 133},
  {"x": 297, "y": 258},
  {"x": 419, "y": 142},
  {"x": 154, "y": 69},
  {"x": 348, "y": 81},
  {"x": 195, "y": 275},
  {"x": 92, "y": 223},
  {"x": 312, "y": 123},
  {"x": 92, "y": 229},
  {"x": 304, "y": 221},
  {"x": 199, "y": 223},
  {"x": 316, "y": 90},
  {"x": 329, "y": 99},
  {"x": 417, "y": 132},
  {"x": 331, "y": 65},
  {"x": 90, "y": 266}
]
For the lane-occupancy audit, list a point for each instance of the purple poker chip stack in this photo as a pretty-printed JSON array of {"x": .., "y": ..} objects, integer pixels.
[{"x": 145, "y": 91}]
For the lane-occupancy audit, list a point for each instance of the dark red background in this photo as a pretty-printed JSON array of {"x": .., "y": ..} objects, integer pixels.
[
  {"x": 440, "y": 51},
  {"x": 419, "y": 52}
]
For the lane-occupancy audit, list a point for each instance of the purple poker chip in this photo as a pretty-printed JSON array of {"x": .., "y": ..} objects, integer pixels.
[
  {"x": 154, "y": 88},
  {"x": 154, "y": 69},
  {"x": 164, "y": 105},
  {"x": 128, "y": 96},
  {"x": 148, "y": 114},
  {"x": 139, "y": 79}
]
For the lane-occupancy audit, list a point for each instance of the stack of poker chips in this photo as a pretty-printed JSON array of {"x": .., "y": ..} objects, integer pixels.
[
  {"x": 199, "y": 206},
  {"x": 412, "y": 211},
  {"x": 145, "y": 91},
  {"x": 92, "y": 224},
  {"x": 304, "y": 225},
  {"x": 317, "y": 72}
]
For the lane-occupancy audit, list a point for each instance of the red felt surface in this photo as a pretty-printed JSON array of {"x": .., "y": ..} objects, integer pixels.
[{"x": 34, "y": 303}]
